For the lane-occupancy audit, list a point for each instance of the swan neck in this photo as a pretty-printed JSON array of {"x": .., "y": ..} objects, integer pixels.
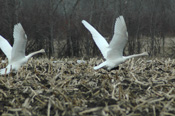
[
  {"x": 133, "y": 56},
  {"x": 34, "y": 53}
]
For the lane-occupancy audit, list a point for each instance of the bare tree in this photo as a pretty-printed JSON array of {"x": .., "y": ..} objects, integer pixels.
[
  {"x": 52, "y": 10},
  {"x": 49, "y": 21}
]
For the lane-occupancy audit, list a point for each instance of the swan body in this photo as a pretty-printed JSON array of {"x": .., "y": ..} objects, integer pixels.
[
  {"x": 112, "y": 52},
  {"x": 16, "y": 54}
]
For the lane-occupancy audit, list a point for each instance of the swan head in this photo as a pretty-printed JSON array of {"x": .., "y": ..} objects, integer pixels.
[
  {"x": 42, "y": 51},
  {"x": 145, "y": 53}
]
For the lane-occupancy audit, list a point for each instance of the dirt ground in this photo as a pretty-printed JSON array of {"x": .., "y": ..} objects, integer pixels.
[{"x": 67, "y": 88}]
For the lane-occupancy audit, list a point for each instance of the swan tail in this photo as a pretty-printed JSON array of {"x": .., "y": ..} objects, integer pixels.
[
  {"x": 4, "y": 71},
  {"x": 100, "y": 66}
]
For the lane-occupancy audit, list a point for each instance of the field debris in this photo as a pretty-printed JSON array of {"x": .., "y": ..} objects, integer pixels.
[{"x": 64, "y": 87}]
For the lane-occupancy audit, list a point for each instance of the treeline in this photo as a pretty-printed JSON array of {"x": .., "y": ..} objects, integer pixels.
[{"x": 55, "y": 25}]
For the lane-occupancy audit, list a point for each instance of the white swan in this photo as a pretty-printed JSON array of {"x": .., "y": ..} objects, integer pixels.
[
  {"x": 112, "y": 52},
  {"x": 16, "y": 55}
]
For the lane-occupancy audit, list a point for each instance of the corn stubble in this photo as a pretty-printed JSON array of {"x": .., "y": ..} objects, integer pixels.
[{"x": 65, "y": 87}]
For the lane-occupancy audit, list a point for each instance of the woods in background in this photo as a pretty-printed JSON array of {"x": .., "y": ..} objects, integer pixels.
[{"x": 56, "y": 24}]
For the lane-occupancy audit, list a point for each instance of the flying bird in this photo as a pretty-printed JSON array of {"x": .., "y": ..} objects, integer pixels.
[
  {"x": 16, "y": 54},
  {"x": 112, "y": 52}
]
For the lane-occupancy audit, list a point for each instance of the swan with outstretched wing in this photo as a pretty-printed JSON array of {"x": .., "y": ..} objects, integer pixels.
[
  {"x": 112, "y": 52},
  {"x": 16, "y": 54}
]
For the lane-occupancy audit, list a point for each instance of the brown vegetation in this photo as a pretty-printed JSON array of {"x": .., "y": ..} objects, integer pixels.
[{"x": 64, "y": 87}]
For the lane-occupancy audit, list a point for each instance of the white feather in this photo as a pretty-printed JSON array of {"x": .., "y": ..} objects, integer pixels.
[
  {"x": 113, "y": 52},
  {"x": 98, "y": 38},
  {"x": 16, "y": 55},
  {"x": 5, "y": 47}
]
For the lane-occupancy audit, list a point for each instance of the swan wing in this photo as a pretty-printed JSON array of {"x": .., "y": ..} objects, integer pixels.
[
  {"x": 119, "y": 39},
  {"x": 98, "y": 38},
  {"x": 5, "y": 47},
  {"x": 19, "y": 45}
]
